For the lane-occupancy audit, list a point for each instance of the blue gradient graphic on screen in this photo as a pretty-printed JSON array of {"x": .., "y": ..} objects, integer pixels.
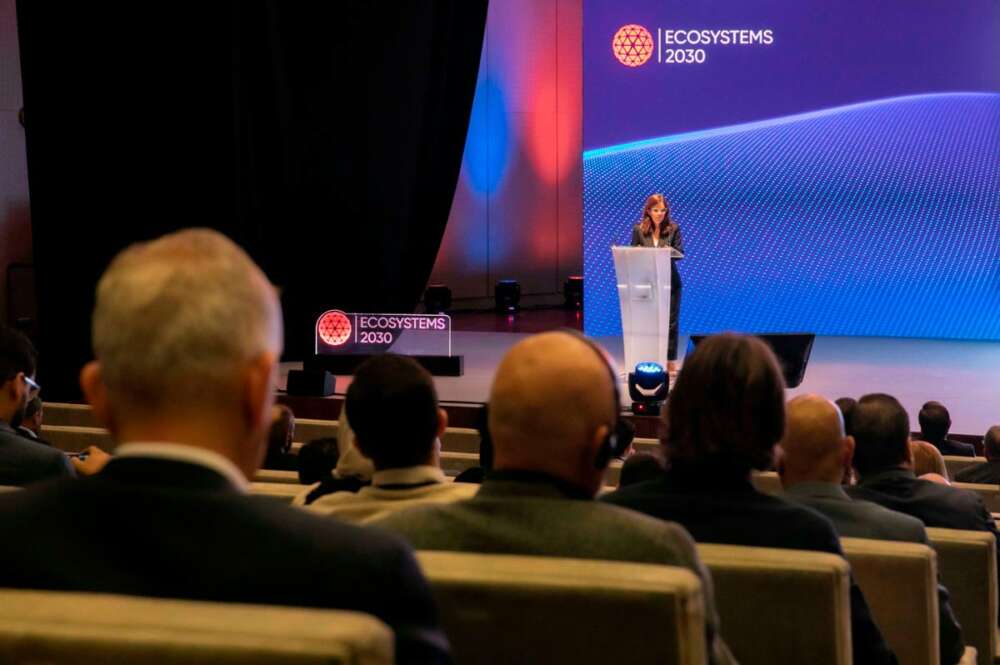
[
  {"x": 823, "y": 184},
  {"x": 872, "y": 219}
]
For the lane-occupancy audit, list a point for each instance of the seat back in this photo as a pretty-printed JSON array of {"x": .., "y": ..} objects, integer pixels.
[
  {"x": 767, "y": 482},
  {"x": 71, "y": 438},
  {"x": 61, "y": 628},
  {"x": 990, "y": 494},
  {"x": 283, "y": 492},
  {"x": 781, "y": 606},
  {"x": 516, "y": 609},
  {"x": 955, "y": 463},
  {"x": 899, "y": 581},
  {"x": 276, "y": 476},
  {"x": 64, "y": 413},
  {"x": 968, "y": 567}
]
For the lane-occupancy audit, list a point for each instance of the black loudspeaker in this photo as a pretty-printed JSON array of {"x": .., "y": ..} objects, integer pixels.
[
  {"x": 792, "y": 350},
  {"x": 311, "y": 383}
]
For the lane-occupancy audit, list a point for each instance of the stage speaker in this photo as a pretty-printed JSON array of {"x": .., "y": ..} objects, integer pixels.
[
  {"x": 792, "y": 350},
  {"x": 311, "y": 383}
]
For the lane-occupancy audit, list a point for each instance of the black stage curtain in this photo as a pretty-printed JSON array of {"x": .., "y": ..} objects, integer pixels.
[{"x": 326, "y": 138}]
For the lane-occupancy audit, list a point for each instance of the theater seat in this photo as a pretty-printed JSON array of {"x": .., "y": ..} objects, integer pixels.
[
  {"x": 779, "y": 607},
  {"x": 283, "y": 492},
  {"x": 956, "y": 463},
  {"x": 71, "y": 438},
  {"x": 967, "y": 564},
  {"x": 525, "y": 609},
  {"x": 767, "y": 482},
  {"x": 909, "y": 621},
  {"x": 990, "y": 494},
  {"x": 59, "y": 628}
]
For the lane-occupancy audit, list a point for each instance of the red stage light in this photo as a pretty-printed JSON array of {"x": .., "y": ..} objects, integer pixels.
[
  {"x": 632, "y": 45},
  {"x": 334, "y": 327}
]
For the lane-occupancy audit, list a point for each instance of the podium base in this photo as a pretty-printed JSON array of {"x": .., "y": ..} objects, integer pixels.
[{"x": 345, "y": 364}]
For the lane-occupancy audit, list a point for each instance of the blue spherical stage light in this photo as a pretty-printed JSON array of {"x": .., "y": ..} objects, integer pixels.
[{"x": 648, "y": 386}]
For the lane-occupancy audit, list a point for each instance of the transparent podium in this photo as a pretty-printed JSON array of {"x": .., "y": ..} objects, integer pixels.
[{"x": 643, "y": 275}]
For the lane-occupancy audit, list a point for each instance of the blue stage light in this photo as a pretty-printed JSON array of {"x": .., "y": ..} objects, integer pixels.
[{"x": 648, "y": 386}]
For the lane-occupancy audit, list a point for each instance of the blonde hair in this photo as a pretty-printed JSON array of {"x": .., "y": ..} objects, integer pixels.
[
  {"x": 927, "y": 459},
  {"x": 177, "y": 318}
]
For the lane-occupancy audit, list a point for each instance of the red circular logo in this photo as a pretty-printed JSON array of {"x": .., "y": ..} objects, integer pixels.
[
  {"x": 632, "y": 45},
  {"x": 334, "y": 327}
]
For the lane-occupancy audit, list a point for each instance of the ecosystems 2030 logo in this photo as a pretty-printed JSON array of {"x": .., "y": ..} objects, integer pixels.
[{"x": 633, "y": 44}]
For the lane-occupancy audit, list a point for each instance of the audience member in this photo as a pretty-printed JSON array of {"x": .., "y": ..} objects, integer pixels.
[
  {"x": 30, "y": 424},
  {"x": 882, "y": 459},
  {"x": 317, "y": 459},
  {"x": 351, "y": 472},
  {"x": 548, "y": 468},
  {"x": 475, "y": 474},
  {"x": 927, "y": 460},
  {"x": 279, "y": 439},
  {"x": 846, "y": 405},
  {"x": 722, "y": 420},
  {"x": 935, "y": 421},
  {"x": 989, "y": 471},
  {"x": 815, "y": 451},
  {"x": 22, "y": 461},
  {"x": 640, "y": 467},
  {"x": 393, "y": 407},
  {"x": 190, "y": 404}
]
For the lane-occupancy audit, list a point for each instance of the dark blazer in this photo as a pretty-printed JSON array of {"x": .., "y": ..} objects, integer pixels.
[
  {"x": 151, "y": 527},
  {"x": 530, "y": 513},
  {"x": 673, "y": 239},
  {"x": 716, "y": 508},
  {"x": 854, "y": 518},
  {"x": 933, "y": 504},
  {"x": 987, "y": 473},
  {"x": 949, "y": 447},
  {"x": 23, "y": 461}
]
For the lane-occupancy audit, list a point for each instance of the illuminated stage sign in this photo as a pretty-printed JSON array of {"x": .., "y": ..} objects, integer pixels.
[
  {"x": 634, "y": 45},
  {"x": 341, "y": 333}
]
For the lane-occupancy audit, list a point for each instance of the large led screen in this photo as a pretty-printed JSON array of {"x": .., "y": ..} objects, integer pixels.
[{"x": 834, "y": 166}]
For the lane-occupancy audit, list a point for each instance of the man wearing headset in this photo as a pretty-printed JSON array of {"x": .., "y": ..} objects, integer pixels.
[{"x": 554, "y": 420}]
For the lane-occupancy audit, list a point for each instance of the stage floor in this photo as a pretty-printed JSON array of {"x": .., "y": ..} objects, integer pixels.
[{"x": 964, "y": 376}]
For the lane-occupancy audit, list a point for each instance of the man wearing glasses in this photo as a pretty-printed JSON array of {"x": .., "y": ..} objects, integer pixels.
[{"x": 22, "y": 461}]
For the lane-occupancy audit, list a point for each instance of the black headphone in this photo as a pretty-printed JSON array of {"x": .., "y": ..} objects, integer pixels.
[{"x": 621, "y": 434}]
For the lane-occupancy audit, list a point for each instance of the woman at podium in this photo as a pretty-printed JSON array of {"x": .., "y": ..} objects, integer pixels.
[{"x": 658, "y": 229}]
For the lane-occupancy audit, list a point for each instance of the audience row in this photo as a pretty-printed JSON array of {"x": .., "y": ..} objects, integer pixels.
[{"x": 191, "y": 406}]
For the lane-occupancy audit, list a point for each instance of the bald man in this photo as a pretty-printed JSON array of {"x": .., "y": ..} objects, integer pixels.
[
  {"x": 814, "y": 454},
  {"x": 552, "y": 408}
]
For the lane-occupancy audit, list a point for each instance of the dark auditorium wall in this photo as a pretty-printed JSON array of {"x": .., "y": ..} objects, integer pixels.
[
  {"x": 326, "y": 138},
  {"x": 517, "y": 211},
  {"x": 15, "y": 224}
]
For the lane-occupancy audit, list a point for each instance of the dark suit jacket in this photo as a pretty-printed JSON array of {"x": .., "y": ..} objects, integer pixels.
[
  {"x": 933, "y": 504},
  {"x": 949, "y": 447},
  {"x": 674, "y": 239},
  {"x": 23, "y": 461},
  {"x": 518, "y": 512},
  {"x": 151, "y": 527},
  {"x": 987, "y": 473},
  {"x": 854, "y": 518},
  {"x": 719, "y": 508}
]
